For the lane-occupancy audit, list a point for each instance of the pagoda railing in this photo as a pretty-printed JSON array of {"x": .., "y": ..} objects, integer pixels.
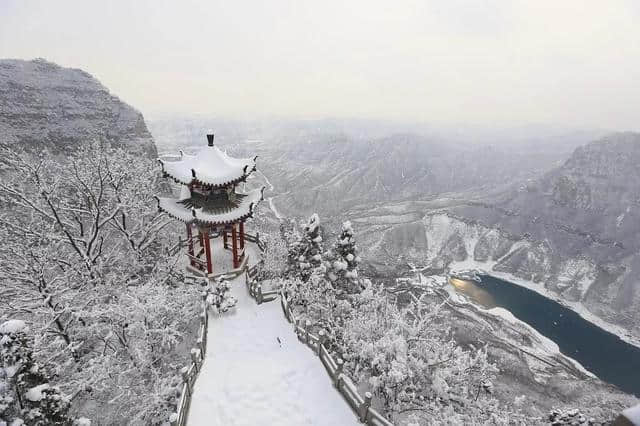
[{"x": 256, "y": 240}]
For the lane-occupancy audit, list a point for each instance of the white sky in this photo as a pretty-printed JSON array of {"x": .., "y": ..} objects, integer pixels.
[{"x": 485, "y": 62}]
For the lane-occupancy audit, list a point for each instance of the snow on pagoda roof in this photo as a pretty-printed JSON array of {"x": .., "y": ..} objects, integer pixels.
[
  {"x": 210, "y": 166},
  {"x": 182, "y": 208}
]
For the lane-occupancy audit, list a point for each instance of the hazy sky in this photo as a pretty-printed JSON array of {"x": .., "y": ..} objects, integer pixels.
[{"x": 446, "y": 61}]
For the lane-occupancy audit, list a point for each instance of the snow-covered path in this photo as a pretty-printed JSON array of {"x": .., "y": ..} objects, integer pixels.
[
  {"x": 272, "y": 206},
  {"x": 248, "y": 378}
]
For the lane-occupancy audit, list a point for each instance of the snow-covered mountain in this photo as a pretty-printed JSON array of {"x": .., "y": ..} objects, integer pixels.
[
  {"x": 571, "y": 233},
  {"x": 45, "y": 105}
]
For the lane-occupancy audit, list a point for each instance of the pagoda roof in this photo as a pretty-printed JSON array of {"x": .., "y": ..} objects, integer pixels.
[
  {"x": 210, "y": 166},
  {"x": 214, "y": 210}
]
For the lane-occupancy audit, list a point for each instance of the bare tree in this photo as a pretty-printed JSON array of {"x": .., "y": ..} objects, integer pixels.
[{"x": 85, "y": 259}]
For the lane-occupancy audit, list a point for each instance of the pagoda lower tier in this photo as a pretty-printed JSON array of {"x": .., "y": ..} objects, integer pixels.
[{"x": 211, "y": 214}]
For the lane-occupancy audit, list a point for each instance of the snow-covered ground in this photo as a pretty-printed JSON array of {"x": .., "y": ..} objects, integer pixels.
[{"x": 251, "y": 378}]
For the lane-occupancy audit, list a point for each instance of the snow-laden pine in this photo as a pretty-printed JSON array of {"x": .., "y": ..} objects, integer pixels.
[
  {"x": 342, "y": 261},
  {"x": 395, "y": 344},
  {"x": 26, "y": 394}
]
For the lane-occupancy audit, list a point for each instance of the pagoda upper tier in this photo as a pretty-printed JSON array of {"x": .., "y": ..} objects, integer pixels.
[{"x": 210, "y": 167}]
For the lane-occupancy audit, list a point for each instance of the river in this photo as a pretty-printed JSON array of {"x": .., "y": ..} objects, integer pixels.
[{"x": 604, "y": 354}]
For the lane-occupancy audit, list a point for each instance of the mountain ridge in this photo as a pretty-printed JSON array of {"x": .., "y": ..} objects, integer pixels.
[
  {"x": 572, "y": 231},
  {"x": 45, "y": 105}
]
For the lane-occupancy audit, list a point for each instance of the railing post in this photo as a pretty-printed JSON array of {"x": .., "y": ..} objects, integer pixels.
[
  {"x": 307, "y": 326},
  {"x": 284, "y": 307},
  {"x": 296, "y": 327},
  {"x": 337, "y": 378},
  {"x": 185, "y": 378},
  {"x": 194, "y": 358},
  {"x": 200, "y": 343},
  {"x": 321, "y": 339},
  {"x": 363, "y": 409},
  {"x": 260, "y": 298}
]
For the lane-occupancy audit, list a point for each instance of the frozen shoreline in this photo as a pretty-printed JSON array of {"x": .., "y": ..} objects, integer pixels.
[
  {"x": 486, "y": 268},
  {"x": 546, "y": 344}
]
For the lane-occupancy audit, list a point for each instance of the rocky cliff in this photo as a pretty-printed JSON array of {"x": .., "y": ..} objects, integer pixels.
[{"x": 45, "y": 105}]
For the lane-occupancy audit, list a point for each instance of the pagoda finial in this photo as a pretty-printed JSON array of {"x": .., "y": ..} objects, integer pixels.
[{"x": 210, "y": 139}]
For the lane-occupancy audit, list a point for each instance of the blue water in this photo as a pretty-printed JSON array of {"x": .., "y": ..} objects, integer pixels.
[{"x": 604, "y": 354}]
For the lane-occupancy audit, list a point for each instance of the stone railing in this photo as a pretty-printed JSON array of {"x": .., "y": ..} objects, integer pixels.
[
  {"x": 361, "y": 405},
  {"x": 254, "y": 287},
  {"x": 189, "y": 374},
  {"x": 256, "y": 240}
]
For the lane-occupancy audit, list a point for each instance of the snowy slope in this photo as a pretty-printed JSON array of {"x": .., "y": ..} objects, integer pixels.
[{"x": 249, "y": 378}]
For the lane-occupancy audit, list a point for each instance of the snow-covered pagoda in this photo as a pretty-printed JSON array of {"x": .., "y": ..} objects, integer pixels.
[{"x": 210, "y": 203}]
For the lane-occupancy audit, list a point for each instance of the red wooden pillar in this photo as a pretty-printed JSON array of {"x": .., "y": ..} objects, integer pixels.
[
  {"x": 207, "y": 251},
  {"x": 224, "y": 238},
  {"x": 200, "y": 249},
  {"x": 201, "y": 242},
  {"x": 241, "y": 235},
  {"x": 190, "y": 243},
  {"x": 234, "y": 246}
]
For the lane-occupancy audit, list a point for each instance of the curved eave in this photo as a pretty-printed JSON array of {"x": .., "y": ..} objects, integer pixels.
[
  {"x": 201, "y": 180},
  {"x": 175, "y": 209}
]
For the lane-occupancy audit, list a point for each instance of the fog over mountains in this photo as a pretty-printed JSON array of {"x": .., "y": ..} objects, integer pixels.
[{"x": 552, "y": 208}]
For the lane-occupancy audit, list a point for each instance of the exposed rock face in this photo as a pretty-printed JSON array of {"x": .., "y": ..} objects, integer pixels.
[{"x": 45, "y": 105}]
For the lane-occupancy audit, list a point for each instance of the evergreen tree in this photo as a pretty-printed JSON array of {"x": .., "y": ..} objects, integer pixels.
[
  {"x": 305, "y": 253},
  {"x": 26, "y": 394},
  {"x": 342, "y": 262}
]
